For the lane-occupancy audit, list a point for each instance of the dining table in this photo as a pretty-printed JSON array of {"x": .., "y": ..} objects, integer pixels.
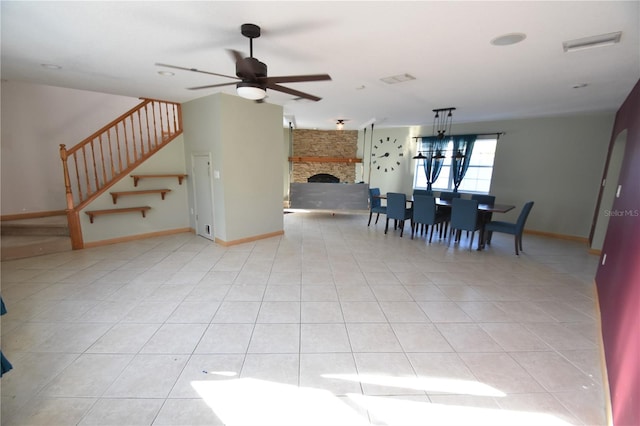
[{"x": 485, "y": 211}]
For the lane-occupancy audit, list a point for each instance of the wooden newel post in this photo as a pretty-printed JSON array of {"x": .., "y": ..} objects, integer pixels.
[
  {"x": 67, "y": 181},
  {"x": 73, "y": 217}
]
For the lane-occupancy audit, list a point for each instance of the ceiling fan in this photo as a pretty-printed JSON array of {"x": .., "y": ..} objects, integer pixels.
[{"x": 252, "y": 74}]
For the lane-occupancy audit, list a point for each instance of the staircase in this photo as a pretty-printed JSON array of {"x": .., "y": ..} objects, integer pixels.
[
  {"x": 98, "y": 162},
  {"x": 90, "y": 168},
  {"x": 34, "y": 237}
]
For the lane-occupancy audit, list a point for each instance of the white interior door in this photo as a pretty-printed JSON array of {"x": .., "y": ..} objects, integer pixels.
[{"x": 203, "y": 194}]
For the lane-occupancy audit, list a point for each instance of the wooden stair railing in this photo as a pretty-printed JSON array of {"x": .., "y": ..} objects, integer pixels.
[{"x": 99, "y": 161}]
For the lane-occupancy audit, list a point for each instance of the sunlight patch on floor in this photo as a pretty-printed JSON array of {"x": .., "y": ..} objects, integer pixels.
[
  {"x": 427, "y": 384},
  {"x": 404, "y": 412},
  {"x": 259, "y": 402}
]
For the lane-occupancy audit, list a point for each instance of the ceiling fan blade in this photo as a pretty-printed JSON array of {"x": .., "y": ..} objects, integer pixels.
[
  {"x": 209, "y": 86},
  {"x": 237, "y": 56},
  {"x": 293, "y": 92},
  {"x": 242, "y": 67},
  {"x": 295, "y": 78},
  {"x": 195, "y": 70}
]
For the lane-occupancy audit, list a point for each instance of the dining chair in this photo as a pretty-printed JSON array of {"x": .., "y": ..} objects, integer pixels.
[
  {"x": 422, "y": 192},
  {"x": 516, "y": 229},
  {"x": 425, "y": 214},
  {"x": 464, "y": 217},
  {"x": 375, "y": 204},
  {"x": 446, "y": 210},
  {"x": 449, "y": 195},
  {"x": 484, "y": 198},
  {"x": 397, "y": 210}
]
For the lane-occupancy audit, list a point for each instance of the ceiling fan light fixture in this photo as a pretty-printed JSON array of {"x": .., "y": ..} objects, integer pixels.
[{"x": 251, "y": 91}]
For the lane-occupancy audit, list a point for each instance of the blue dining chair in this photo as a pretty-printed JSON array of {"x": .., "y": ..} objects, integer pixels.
[
  {"x": 397, "y": 210},
  {"x": 446, "y": 210},
  {"x": 422, "y": 192},
  {"x": 464, "y": 217},
  {"x": 516, "y": 229},
  {"x": 484, "y": 198},
  {"x": 449, "y": 195},
  {"x": 375, "y": 204},
  {"x": 426, "y": 214}
]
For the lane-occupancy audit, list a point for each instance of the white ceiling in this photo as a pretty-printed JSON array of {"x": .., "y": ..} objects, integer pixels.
[{"x": 112, "y": 47}]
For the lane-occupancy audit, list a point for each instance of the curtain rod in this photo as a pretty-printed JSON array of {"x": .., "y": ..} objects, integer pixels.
[{"x": 477, "y": 134}]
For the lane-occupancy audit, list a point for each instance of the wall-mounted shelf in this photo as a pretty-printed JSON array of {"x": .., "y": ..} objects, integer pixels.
[
  {"x": 136, "y": 178},
  {"x": 94, "y": 213},
  {"x": 325, "y": 160},
  {"x": 115, "y": 195}
]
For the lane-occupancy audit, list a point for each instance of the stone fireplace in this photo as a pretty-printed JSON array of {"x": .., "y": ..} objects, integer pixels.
[
  {"x": 324, "y": 171},
  {"x": 324, "y": 152}
]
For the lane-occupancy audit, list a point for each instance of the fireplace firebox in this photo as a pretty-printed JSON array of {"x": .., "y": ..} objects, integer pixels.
[{"x": 323, "y": 178}]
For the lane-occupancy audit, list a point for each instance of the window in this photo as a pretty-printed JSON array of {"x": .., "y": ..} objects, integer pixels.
[{"x": 478, "y": 176}]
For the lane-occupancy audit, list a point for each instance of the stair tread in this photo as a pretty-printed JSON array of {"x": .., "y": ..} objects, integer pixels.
[
  {"x": 39, "y": 221},
  {"x": 19, "y": 247}
]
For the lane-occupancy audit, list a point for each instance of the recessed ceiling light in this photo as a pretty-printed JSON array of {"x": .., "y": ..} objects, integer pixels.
[
  {"x": 508, "y": 39},
  {"x": 166, "y": 73},
  {"x": 593, "y": 41},
  {"x": 400, "y": 78},
  {"x": 51, "y": 66}
]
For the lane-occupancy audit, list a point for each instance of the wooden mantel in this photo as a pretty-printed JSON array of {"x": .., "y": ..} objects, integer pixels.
[{"x": 325, "y": 160}]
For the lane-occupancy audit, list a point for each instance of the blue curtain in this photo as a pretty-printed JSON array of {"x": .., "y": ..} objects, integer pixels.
[
  {"x": 433, "y": 148},
  {"x": 462, "y": 149}
]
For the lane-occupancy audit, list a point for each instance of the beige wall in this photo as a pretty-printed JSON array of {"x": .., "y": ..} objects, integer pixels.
[
  {"x": 165, "y": 215},
  {"x": 36, "y": 119},
  {"x": 245, "y": 140},
  {"x": 557, "y": 162}
]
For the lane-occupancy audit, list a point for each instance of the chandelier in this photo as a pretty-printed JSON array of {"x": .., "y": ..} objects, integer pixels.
[
  {"x": 442, "y": 122},
  {"x": 441, "y": 127}
]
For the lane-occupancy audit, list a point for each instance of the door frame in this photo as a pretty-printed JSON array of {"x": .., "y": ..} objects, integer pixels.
[{"x": 197, "y": 207}]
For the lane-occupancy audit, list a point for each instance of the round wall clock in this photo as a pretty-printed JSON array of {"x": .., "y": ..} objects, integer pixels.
[{"x": 387, "y": 154}]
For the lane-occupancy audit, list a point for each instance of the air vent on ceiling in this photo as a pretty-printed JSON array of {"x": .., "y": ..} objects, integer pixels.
[
  {"x": 400, "y": 78},
  {"x": 593, "y": 41}
]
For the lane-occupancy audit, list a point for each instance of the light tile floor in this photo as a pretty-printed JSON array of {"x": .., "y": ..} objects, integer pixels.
[{"x": 332, "y": 323}]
